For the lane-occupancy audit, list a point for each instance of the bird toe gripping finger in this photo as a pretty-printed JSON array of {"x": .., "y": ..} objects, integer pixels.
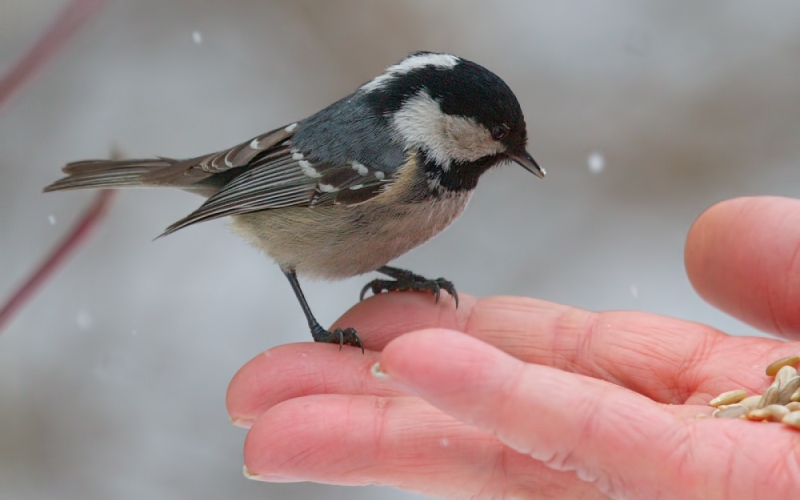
[
  {"x": 346, "y": 336},
  {"x": 414, "y": 283}
]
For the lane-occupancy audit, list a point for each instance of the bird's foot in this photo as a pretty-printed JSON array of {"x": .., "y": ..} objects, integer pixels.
[
  {"x": 348, "y": 336},
  {"x": 407, "y": 281}
]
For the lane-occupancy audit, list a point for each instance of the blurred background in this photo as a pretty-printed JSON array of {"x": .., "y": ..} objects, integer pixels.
[{"x": 112, "y": 380}]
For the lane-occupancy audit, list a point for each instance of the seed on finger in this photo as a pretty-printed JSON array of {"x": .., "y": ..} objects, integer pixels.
[
  {"x": 751, "y": 401},
  {"x": 788, "y": 389},
  {"x": 780, "y": 402},
  {"x": 770, "y": 396},
  {"x": 728, "y": 398},
  {"x": 772, "y": 368},
  {"x": 730, "y": 411},
  {"x": 758, "y": 414},
  {"x": 785, "y": 374},
  {"x": 792, "y": 419},
  {"x": 776, "y": 412}
]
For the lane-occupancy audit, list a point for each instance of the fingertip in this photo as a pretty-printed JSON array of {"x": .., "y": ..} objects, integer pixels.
[
  {"x": 289, "y": 371},
  {"x": 432, "y": 362},
  {"x": 242, "y": 391},
  {"x": 741, "y": 256},
  {"x": 707, "y": 233},
  {"x": 413, "y": 351}
]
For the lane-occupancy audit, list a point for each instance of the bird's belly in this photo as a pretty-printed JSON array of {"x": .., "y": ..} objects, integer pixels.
[{"x": 335, "y": 242}]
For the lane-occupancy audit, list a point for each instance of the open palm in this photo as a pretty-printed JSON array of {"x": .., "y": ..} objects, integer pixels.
[{"x": 512, "y": 397}]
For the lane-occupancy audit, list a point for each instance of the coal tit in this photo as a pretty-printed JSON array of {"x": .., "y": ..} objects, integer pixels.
[{"x": 359, "y": 183}]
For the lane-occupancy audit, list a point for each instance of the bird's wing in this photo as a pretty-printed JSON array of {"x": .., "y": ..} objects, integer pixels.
[
  {"x": 273, "y": 144},
  {"x": 280, "y": 177}
]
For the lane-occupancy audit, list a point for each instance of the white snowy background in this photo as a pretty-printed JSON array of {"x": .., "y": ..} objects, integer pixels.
[{"x": 112, "y": 380}]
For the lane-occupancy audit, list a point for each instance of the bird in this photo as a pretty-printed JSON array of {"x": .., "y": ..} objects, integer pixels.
[{"x": 350, "y": 188}]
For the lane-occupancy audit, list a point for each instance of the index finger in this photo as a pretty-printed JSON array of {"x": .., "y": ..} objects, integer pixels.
[{"x": 667, "y": 359}]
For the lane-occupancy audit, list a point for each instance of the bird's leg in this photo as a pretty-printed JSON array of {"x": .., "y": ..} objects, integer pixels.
[
  {"x": 348, "y": 336},
  {"x": 406, "y": 280}
]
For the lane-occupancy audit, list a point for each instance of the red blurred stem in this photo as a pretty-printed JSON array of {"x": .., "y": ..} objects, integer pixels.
[
  {"x": 68, "y": 22},
  {"x": 75, "y": 15},
  {"x": 88, "y": 221}
]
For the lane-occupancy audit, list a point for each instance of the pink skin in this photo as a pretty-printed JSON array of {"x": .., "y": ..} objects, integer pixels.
[{"x": 512, "y": 397}]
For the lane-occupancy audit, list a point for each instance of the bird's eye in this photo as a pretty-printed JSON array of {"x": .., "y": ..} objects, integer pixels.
[{"x": 499, "y": 131}]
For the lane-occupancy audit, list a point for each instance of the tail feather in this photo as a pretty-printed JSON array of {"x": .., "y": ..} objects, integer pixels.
[{"x": 93, "y": 174}]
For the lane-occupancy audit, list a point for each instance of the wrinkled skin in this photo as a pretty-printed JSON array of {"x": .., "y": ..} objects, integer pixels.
[{"x": 513, "y": 397}]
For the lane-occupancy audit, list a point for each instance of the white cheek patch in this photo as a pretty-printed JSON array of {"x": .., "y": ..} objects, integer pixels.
[
  {"x": 409, "y": 64},
  {"x": 445, "y": 138}
]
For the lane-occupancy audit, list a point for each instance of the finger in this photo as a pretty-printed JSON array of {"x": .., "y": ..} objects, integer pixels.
[
  {"x": 743, "y": 256},
  {"x": 620, "y": 441},
  {"x": 382, "y": 317},
  {"x": 402, "y": 442},
  {"x": 296, "y": 370},
  {"x": 667, "y": 359}
]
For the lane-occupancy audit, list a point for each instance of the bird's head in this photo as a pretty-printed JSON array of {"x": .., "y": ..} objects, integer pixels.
[{"x": 458, "y": 114}]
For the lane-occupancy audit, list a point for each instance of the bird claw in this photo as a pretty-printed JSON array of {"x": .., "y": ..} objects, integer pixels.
[
  {"x": 347, "y": 336},
  {"x": 414, "y": 283}
]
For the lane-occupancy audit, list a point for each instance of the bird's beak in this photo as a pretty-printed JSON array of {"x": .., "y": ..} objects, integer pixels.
[{"x": 528, "y": 163}]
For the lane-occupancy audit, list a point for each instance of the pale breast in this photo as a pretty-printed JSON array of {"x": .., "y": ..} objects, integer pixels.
[{"x": 335, "y": 242}]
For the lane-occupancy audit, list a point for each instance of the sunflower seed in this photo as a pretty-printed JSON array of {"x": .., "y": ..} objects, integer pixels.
[
  {"x": 792, "y": 419},
  {"x": 731, "y": 411},
  {"x": 784, "y": 374},
  {"x": 751, "y": 401},
  {"x": 728, "y": 398},
  {"x": 758, "y": 414},
  {"x": 788, "y": 388},
  {"x": 773, "y": 367},
  {"x": 793, "y": 406},
  {"x": 795, "y": 396},
  {"x": 776, "y": 412},
  {"x": 770, "y": 396}
]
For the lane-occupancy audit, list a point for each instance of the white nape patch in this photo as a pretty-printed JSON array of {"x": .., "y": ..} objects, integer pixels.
[
  {"x": 409, "y": 64},
  {"x": 379, "y": 175},
  {"x": 309, "y": 170},
  {"x": 361, "y": 169},
  {"x": 290, "y": 128},
  {"x": 444, "y": 138},
  {"x": 328, "y": 188}
]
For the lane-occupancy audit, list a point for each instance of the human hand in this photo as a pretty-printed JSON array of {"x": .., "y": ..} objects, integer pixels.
[{"x": 540, "y": 400}]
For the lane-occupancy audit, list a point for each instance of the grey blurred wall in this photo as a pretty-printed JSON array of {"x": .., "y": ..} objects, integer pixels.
[{"x": 112, "y": 380}]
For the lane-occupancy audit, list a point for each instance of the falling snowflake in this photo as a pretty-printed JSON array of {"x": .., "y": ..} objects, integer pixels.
[{"x": 596, "y": 163}]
